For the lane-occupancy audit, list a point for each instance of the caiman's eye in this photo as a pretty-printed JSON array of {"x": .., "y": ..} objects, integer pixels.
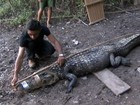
[{"x": 44, "y": 81}]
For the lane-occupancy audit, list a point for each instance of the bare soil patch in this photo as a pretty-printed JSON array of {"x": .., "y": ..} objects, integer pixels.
[{"x": 88, "y": 91}]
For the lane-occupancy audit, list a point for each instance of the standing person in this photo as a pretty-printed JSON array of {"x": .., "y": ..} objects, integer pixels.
[
  {"x": 32, "y": 41},
  {"x": 42, "y": 5}
]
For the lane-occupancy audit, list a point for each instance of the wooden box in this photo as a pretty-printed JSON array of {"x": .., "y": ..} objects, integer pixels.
[{"x": 95, "y": 10}]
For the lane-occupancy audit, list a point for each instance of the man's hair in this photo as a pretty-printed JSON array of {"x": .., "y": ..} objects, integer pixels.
[{"x": 33, "y": 25}]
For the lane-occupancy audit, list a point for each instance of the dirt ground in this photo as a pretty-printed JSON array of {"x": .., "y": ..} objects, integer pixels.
[{"x": 89, "y": 90}]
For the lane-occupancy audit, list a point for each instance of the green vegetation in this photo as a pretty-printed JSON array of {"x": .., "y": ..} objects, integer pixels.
[{"x": 15, "y": 12}]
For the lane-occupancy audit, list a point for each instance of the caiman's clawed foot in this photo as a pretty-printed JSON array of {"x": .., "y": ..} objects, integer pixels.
[
  {"x": 73, "y": 79},
  {"x": 126, "y": 62},
  {"x": 69, "y": 89},
  {"x": 116, "y": 61}
]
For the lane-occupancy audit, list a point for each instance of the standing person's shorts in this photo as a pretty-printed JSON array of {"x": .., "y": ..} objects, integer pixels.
[{"x": 46, "y": 3}]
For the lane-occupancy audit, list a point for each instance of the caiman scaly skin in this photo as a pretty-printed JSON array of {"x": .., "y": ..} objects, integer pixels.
[{"x": 88, "y": 61}]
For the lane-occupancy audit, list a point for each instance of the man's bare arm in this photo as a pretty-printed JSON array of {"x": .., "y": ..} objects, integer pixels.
[
  {"x": 57, "y": 45},
  {"x": 18, "y": 65}
]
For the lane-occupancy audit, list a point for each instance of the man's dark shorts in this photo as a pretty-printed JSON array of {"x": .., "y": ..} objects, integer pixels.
[
  {"x": 46, "y": 3},
  {"x": 43, "y": 49}
]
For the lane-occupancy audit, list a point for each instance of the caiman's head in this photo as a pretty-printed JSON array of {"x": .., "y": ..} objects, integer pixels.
[
  {"x": 47, "y": 76},
  {"x": 37, "y": 81},
  {"x": 47, "y": 79}
]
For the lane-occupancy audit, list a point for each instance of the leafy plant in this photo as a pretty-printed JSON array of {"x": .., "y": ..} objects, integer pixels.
[{"x": 17, "y": 12}]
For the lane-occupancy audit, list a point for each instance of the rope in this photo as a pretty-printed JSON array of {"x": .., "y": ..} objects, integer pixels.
[{"x": 49, "y": 66}]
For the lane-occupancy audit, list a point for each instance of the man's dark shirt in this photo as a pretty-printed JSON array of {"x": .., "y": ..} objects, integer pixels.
[{"x": 25, "y": 38}]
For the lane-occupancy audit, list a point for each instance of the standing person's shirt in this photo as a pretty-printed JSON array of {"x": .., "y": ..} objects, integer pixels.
[{"x": 25, "y": 38}]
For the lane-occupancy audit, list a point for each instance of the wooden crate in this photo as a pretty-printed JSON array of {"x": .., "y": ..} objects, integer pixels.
[{"x": 94, "y": 10}]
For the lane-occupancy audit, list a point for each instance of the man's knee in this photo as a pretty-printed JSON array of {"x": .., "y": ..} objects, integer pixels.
[{"x": 40, "y": 11}]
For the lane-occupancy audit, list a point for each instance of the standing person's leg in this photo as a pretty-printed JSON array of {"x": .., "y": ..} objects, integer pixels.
[
  {"x": 50, "y": 4},
  {"x": 42, "y": 5},
  {"x": 49, "y": 14}
]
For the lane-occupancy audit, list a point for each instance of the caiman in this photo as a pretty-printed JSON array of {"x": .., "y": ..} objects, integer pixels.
[{"x": 85, "y": 62}]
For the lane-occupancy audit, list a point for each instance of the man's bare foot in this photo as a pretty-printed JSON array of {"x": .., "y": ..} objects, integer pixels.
[
  {"x": 48, "y": 25},
  {"x": 32, "y": 63}
]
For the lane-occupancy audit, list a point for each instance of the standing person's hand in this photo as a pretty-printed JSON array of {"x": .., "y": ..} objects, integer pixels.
[{"x": 61, "y": 60}]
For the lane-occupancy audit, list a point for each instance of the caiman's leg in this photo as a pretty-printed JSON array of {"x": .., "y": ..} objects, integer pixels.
[
  {"x": 116, "y": 61},
  {"x": 71, "y": 77}
]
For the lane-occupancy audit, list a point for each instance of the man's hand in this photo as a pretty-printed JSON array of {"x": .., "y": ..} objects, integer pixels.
[{"x": 61, "y": 60}]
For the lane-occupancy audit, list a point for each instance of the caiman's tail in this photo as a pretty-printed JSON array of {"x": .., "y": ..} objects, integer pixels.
[{"x": 124, "y": 46}]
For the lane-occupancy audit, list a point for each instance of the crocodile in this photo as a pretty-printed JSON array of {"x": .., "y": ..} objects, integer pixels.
[{"x": 90, "y": 60}]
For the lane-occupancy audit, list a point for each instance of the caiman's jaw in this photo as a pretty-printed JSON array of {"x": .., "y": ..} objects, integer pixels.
[
  {"x": 48, "y": 79},
  {"x": 44, "y": 79}
]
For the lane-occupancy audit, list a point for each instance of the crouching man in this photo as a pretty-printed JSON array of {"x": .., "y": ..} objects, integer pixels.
[{"x": 32, "y": 40}]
